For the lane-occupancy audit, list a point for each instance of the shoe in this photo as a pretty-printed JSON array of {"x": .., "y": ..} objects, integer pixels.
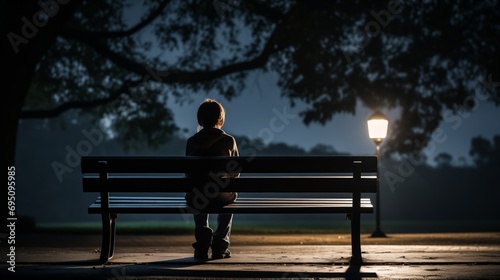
[
  {"x": 201, "y": 255},
  {"x": 200, "y": 252},
  {"x": 221, "y": 255}
]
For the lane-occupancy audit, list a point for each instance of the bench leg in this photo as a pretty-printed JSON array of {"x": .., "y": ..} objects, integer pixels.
[
  {"x": 356, "y": 239},
  {"x": 106, "y": 238},
  {"x": 113, "y": 235}
]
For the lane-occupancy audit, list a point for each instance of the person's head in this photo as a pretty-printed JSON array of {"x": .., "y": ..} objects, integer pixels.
[{"x": 211, "y": 114}]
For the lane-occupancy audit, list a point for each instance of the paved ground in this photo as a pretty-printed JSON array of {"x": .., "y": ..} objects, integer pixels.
[{"x": 401, "y": 256}]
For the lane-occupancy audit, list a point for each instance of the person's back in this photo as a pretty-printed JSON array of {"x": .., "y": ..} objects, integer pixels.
[{"x": 211, "y": 140}]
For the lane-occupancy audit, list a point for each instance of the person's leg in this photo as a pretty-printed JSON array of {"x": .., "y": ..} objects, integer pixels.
[
  {"x": 203, "y": 236},
  {"x": 220, "y": 241}
]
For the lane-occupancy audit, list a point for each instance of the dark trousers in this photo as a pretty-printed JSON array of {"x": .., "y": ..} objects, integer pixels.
[{"x": 206, "y": 237}]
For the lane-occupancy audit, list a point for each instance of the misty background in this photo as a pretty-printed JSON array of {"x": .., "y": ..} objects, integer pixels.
[
  {"x": 119, "y": 77},
  {"x": 415, "y": 196}
]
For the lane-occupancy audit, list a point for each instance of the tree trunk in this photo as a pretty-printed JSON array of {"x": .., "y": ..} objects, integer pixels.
[{"x": 26, "y": 38}]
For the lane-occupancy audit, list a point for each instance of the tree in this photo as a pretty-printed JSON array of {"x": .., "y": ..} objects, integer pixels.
[
  {"x": 486, "y": 154},
  {"x": 443, "y": 160},
  {"x": 123, "y": 60},
  {"x": 282, "y": 149},
  {"x": 323, "y": 149}
]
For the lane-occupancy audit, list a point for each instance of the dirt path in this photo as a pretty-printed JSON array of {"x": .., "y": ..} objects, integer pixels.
[{"x": 69, "y": 240}]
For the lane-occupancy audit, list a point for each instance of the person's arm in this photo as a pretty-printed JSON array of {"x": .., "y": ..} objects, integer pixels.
[
  {"x": 234, "y": 153},
  {"x": 187, "y": 153}
]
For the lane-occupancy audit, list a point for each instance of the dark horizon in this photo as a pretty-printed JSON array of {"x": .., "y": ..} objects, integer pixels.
[{"x": 405, "y": 185}]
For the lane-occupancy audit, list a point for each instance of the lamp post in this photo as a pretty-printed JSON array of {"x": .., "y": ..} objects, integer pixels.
[{"x": 377, "y": 131}]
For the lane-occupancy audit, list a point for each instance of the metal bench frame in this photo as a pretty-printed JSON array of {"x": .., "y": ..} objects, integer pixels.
[{"x": 321, "y": 175}]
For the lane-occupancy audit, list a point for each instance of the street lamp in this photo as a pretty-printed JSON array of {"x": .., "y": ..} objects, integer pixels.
[{"x": 377, "y": 130}]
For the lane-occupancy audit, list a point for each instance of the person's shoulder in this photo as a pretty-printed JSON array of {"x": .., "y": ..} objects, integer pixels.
[
  {"x": 190, "y": 138},
  {"x": 228, "y": 136}
]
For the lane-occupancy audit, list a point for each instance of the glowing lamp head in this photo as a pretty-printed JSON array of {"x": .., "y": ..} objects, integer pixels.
[{"x": 377, "y": 127}]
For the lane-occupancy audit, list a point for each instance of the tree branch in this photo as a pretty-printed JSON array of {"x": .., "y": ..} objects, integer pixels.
[
  {"x": 56, "y": 111},
  {"x": 98, "y": 35},
  {"x": 257, "y": 7},
  {"x": 173, "y": 77},
  {"x": 182, "y": 77}
]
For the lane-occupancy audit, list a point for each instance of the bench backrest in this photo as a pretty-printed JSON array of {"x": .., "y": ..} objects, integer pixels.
[{"x": 257, "y": 173}]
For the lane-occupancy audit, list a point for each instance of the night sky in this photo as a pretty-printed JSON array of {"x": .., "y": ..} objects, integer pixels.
[{"x": 251, "y": 113}]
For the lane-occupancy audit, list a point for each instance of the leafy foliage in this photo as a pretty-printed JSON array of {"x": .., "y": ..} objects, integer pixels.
[
  {"x": 124, "y": 60},
  {"x": 485, "y": 153}
]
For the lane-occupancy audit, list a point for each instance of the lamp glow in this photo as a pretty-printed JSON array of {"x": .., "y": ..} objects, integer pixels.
[
  {"x": 377, "y": 127},
  {"x": 377, "y": 131}
]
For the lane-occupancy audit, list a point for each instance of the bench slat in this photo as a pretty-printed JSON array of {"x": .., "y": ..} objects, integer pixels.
[
  {"x": 248, "y": 164},
  {"x": 366, "y": 184},
  {"x": 239, "y": 200},
  {"x": 242, "y": 205}
]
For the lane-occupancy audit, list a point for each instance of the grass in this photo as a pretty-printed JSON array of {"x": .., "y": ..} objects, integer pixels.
[
  {"x": 163, "y": 227},
  {"x": 273, "y": 226}
]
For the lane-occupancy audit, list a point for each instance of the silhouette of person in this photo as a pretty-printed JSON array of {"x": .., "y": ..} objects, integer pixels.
[{"x": 211, "y": 140}]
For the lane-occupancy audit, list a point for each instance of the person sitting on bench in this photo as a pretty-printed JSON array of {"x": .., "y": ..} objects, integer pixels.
[{"x": 211, "y": 140}]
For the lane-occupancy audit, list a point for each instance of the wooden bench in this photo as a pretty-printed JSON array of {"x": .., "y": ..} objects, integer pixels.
[{"x": 327, "y": 177}]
